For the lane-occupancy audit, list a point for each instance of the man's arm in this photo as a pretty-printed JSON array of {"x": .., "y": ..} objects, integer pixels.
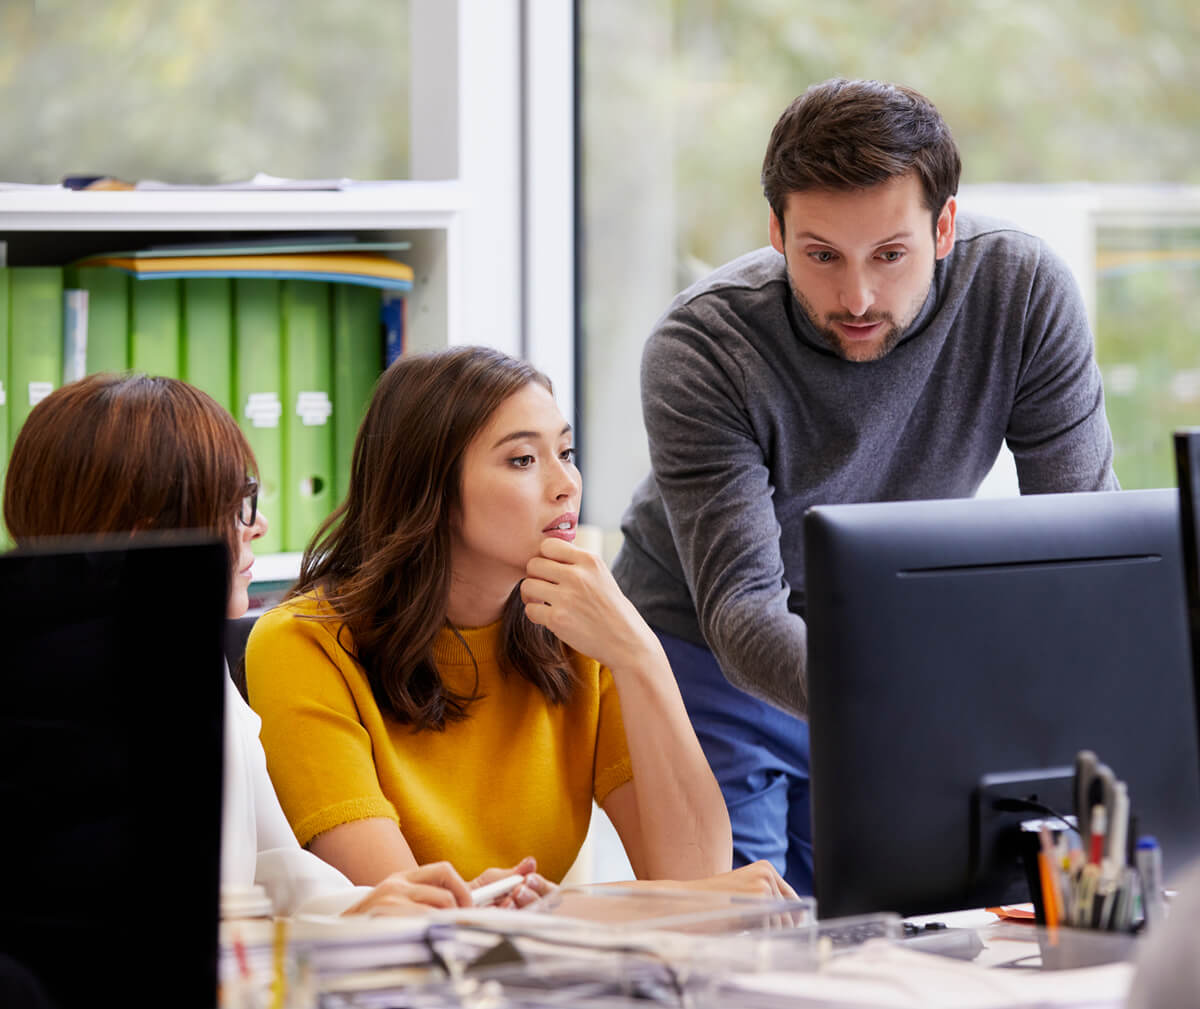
[
  {"x": 712, "y": 474},
  {"x": 1058, "y": 431}
]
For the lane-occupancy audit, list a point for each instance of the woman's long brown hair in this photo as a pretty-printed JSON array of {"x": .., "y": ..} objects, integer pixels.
[
  {"x": 382, "y": 559},
  {"x": 127, "y": 453}
]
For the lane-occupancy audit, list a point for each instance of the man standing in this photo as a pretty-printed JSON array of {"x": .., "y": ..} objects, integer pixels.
[{"x": 882, "y": 348}]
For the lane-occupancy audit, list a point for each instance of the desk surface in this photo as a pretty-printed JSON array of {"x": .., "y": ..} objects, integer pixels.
[{"x": 393, "y": 955}]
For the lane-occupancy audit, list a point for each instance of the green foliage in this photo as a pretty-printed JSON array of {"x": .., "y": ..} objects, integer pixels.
[
  {"x": 204, "y": 92},
  {"x": 1148, "y": 348},
  {"x": 1034, "y": 91}
]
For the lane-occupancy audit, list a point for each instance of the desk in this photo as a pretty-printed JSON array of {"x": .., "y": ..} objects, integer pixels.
[{"x": 523, "y": 959}]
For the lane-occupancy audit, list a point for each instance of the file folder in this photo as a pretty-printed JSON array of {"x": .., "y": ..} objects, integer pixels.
[
  {"x": 208, "y": 337},
  {"x": 369, "y": 269},
  {"x": 357, "y": 362},
  {"x": 154, "y": 327},
  {"x": 35, "y": 339},
  {"x": 75, "y": 333},
  {"x": 393, "y": 312},
  {"x": 257, "y": 388},
  {"x": 307, "y": 398},
  {"x": 108, "y": 315}
]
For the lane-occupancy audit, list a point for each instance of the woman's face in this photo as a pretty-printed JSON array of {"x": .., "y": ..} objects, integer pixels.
[
  {"x": 243, "y": 565},
  {"x": 519, "y": 486}
]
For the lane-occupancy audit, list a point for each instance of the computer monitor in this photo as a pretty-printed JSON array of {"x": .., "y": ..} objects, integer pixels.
[
  {"x": 963, "y": 651},
  {"x": 111, "y": 699},
  {"x": 1187, "y": 465}
]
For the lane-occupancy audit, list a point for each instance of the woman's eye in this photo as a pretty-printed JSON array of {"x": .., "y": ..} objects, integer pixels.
[
  {"x": 568, "y": 455},
  {"x": 522, "y": 461}
]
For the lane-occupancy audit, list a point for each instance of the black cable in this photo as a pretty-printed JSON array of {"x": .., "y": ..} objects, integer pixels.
[{"x": 1010, "y": 804}]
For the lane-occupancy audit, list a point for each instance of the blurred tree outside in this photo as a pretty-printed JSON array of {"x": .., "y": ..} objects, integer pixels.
[
  {"x": 1148, "y": 346},
  {"x": 205, "y": 92},
  {"x": 1102, "y": 91}
]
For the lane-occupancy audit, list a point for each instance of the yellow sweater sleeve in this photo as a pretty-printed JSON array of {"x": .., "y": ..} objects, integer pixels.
[
  {"x": 313, "y": 699},
  {"x": 613, "y": 766}
]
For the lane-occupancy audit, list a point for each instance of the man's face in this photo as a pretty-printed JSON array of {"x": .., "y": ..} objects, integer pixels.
[{"x": 860, "y": 262}]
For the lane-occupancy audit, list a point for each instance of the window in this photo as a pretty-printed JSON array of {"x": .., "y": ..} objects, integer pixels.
[
  {"x": 679, "y": 97},
  {"x": 207, "y": 92}
]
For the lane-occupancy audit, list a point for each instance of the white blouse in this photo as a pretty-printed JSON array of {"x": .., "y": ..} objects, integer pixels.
[{"x": 257, "y": 843}]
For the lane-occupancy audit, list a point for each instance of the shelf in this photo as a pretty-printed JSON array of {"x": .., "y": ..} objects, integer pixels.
[
  {"x": 276, "y": 568},
  {"x": 365, "y": 206}
]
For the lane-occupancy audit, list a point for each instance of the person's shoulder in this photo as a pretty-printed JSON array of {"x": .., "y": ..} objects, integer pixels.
[
  {"x": 723, "y": 310},
  {"x": 1005, "y": 256},
  {"x": 984, "y": 237},
  {"x": 588, "y": 671},
  {"x": 305, "y": 614},
  {"x": 750, "y": 272}
]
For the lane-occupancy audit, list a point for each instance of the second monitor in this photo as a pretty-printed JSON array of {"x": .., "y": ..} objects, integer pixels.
[{"x": 953, "y": 641}]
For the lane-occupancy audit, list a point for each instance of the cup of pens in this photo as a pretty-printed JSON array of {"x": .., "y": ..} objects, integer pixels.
[{"x": 1089, "y": 875}]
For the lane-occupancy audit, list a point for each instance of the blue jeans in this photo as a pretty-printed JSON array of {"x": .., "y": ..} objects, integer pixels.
[{"x": 759, "y": 756}]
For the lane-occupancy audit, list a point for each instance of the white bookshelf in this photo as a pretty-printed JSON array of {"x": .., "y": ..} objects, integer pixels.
[{"x": 489, "y": 207}]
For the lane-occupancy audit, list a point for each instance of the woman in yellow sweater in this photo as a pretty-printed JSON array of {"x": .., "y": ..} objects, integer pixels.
[{"x": 452, "y": 678}]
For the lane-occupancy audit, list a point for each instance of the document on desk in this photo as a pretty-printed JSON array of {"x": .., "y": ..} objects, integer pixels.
[{"x": 890, "y": 977}]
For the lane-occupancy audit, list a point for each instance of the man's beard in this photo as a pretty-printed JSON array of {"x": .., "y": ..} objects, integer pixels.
[{"x": 858, "y": 352}]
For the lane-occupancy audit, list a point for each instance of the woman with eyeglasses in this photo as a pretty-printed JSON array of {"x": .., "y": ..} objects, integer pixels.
[
  {"x": 124, "y": 454},
  {"x": 453, "y": 678}
]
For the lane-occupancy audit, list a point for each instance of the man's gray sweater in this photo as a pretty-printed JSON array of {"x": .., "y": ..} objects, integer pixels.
[{"x": 751, "y": 419}]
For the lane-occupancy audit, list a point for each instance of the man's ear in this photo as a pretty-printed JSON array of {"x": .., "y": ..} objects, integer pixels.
[
  {"x": 944, "y": 235},
  {"x": 775, "y": 230}
]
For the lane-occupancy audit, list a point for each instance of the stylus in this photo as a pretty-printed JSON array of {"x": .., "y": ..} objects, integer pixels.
[{"x": 489, "y": 893}]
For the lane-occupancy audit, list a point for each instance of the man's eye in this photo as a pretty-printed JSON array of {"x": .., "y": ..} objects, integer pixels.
[
  {"x": 891, "y": 255},
  {"x": 822, "y": 256}
]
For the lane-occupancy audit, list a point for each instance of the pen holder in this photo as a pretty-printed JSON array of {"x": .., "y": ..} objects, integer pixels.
[
  {"x": 1091, "y": 897},
  {"x": 1067, "y": 949}
]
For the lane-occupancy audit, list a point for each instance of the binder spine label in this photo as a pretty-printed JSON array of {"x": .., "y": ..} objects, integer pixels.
[
  {"x": 313, "y": 408},
  {"x": 263, "y": 409}
]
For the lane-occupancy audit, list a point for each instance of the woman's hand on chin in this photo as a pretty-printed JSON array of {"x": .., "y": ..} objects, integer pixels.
[{"x": 572, "y": 593}]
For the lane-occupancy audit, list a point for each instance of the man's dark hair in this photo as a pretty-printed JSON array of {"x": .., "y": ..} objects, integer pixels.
[{"x": 844, "y": 134}]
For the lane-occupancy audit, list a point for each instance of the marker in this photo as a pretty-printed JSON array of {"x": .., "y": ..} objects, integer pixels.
[
  {"x": 489, "y": 893},
  {"x": 1149, "y": 867},
  {"x": 1119, "y": 825},
  {"x": 1099, "y": 828}
]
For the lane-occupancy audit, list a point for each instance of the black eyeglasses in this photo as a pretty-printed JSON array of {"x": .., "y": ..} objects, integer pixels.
[{"x": 249, "y": 510}]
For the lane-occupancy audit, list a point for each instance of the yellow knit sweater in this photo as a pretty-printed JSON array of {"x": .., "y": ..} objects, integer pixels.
[{"x": 515, "y": 778}]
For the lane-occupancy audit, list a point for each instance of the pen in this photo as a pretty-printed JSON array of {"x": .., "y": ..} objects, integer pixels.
[
  {"x": 1085, "y": 900},
  {"x": 1118, "y": 824},
  {"x": 1047, "y": 874},
  {"x": 489, "y": 893},
  {"x": 1085, "y": 771},
  {"x": 1149, "y": 867}
]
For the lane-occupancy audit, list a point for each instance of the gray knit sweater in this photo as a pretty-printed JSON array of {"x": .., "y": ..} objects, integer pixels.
[{"x": 751, "y": 420}]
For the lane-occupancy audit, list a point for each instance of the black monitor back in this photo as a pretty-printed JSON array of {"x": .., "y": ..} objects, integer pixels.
[
  {"x": 110, "y": 769},
  {"x": 1187, "y": 464},
  {"x": 952, "y": 640}
]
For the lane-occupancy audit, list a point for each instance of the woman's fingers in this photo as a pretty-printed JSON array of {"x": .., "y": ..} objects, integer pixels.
[
  {"x": 395, "y": 896},
  {"x": 441, "y": 874},
  {"x": 527, "y": 865}
]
